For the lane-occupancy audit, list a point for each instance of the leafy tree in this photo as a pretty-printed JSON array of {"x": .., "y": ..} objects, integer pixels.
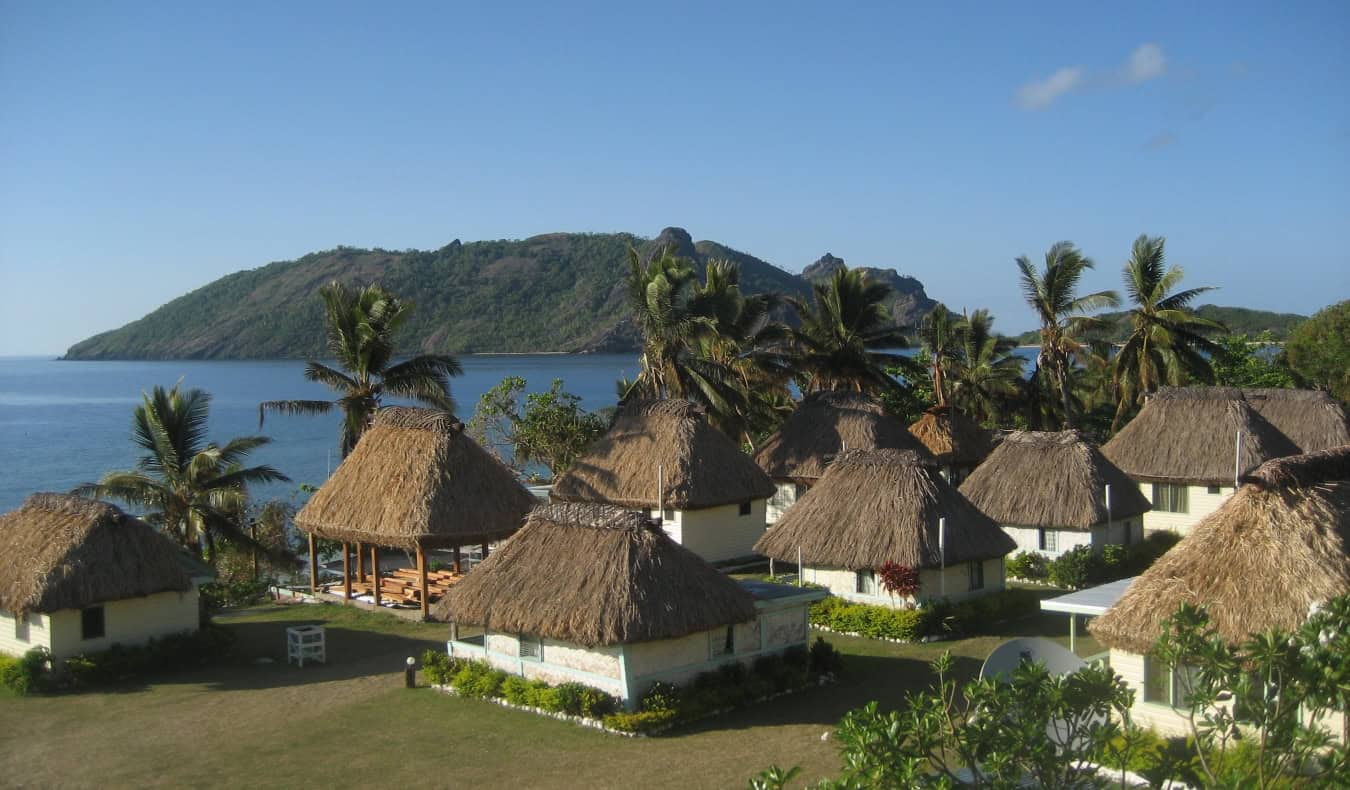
[
  {"x": 1318, "y": 351},
  {"x": 940, "y": 338},
  {"x": 911, "y": 396},
  {"x": 839, "y": 332},
  {"x": 987, "y": 374},
  {"x": 552, "y": 429},
  {"x": 1246, "y": 362},
  {"x": 360, "y": 327},
  {"x": 193, "y": 490},
  {"x": 1167, "y": 342},
  {"x": 1052, "y": 294}
]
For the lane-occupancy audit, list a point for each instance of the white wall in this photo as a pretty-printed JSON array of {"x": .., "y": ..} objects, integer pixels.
[
  {"x": 129, "y": 622},
  {"x": 1029, "y": 538},
  {"x": 931, "y": 584},
  {"x": 784, "y": 498},
  {"x": 1199, "y": 501},
  {"x": 721, "y": 533},
  {"x": 17, "y": 641}
]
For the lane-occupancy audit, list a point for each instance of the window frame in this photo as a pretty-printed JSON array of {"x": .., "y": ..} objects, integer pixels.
[
  {"x": 21, "y": 628},
  {"x": 1176, "y": 694},
  {"x": 746, "y": 508},
  {"x": 537, "y": 647},
  {"x": 1048, "y": 540},
  {"x": 1214, "y": 490},
  {"x": 860, "y": 586},
  {"x": 1171, "y": 498},
  {"x": 102, "y": 620},
  {"x": 974, "y": 570}
]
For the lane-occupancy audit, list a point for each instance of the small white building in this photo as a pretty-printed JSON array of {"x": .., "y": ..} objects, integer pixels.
[
  {"x": 78, "y": 576},
  {"x": 874, "y": 507},
  {"x": 712, "y": 497},
  {"x": 599, "y": 595},
  {"x": 1261, "y": 561},
  {"x": 1053, "y": 492},
  {"x": 824, "y": 425}
]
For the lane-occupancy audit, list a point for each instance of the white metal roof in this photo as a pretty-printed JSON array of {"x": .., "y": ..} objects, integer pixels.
[{"x": 1092, "y": 601}]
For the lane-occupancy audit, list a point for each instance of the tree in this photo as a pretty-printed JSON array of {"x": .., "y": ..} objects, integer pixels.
[
  {"x": 987, "y": 374},
  {"x": 194, "y": 491},
  {"x": 552, "y": 429},
  {"x": 1167, "y": 342},
  {"x": 1318, "y": 351},
  {"x": 940, "y": 338},
  {"x": 360, "y": 327},
  {"x": 1052, "y": 294},
  {"x": 839, "y": 331},
  {"x": 1248, "y": 362}
]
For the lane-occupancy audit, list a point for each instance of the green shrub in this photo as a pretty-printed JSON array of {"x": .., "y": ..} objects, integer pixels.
[
  {"x": 825, "y": 660},
  {"x": 1029, "y": 565},
  {"x": 164, "y": 654},
  {"x": 570, "y": 697},
  {"x": 661, "y": 696},
  {"x": 877, "y": 622},
  {"x": 232, "y": 595},
  {"x": 438, "y": 667},
  {"x": 1139, "y": 556},
  {"x": 518, "y": 691},
  {"x": 594, "y": 703},
  {"x": 544, "y": 696},
  {"x": 26, "y": 674},
  {"x": 1075, "y": 569},
  {"x": 642, "y": 721}
]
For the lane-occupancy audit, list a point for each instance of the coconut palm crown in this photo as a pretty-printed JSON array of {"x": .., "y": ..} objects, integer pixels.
[{"x": 839, "y": 330}]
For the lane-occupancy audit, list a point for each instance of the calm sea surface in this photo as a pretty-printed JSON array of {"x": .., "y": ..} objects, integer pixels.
[{"x": 67, "y": 423}]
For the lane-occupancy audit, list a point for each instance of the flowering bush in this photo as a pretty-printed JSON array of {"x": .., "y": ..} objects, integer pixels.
[{"x": 899, "y": 580}]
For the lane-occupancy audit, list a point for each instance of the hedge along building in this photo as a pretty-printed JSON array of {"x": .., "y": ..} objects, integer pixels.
[
  {"x": 1052, "y": 492},
  {"x": 78, "y": 576},
  {"x": 599, "y": 595},
  {"x": 414, "y": 482},
  {"x": 1188, "y": 447},
  {"x": 824, "y": 425},
  {"x": 958, "y": 443},
  {"x": 874, "y": 507},
  {"x": 712, "y": 496},
  {"x": 1261, "y": 561}
]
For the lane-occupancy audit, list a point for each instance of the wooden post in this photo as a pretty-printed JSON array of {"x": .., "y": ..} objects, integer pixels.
[
  {"x": 422, "y": 578},
  {"x": 360, "y": 563},
  {"x": 458, "y": 569},
  {"x": 313, "y": 564},
  {"x": 375, "y": 573},
  {"x": 346, "y": 571}
]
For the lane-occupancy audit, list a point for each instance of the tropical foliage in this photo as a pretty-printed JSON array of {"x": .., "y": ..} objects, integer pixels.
[
  {"x": 840, "y": 332},
  {"x": 1318, "y": 351},
  {"x": 1243, "y": 361},
  {"x": 361, "y": 326},
  {"x": 193, "y": 490},
  {"x": 550, "y": 428}
]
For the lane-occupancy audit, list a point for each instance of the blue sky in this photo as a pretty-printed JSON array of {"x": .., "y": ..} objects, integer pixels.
[{"x": 148, "y": 149}]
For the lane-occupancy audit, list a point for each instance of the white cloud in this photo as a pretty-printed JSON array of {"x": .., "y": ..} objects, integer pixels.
[
  {"x": 1146, "y": 63},
  {"x": 1040, "y": 94}
]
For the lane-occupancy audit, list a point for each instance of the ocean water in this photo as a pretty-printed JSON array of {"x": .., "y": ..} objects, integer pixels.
[{"x": 67, "y": 423}]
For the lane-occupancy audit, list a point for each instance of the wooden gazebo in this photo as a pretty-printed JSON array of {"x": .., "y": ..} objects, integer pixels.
[{"x": 414, "y": 482}]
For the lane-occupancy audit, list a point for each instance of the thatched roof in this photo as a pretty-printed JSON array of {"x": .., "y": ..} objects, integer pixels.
[
  {"x": 1276, "y": 547},
  {"x": 700, "y": 466},
  {"x": 1312, "y": 420},
  {"x": 824, "y": 424},
  {"x": 1039, "y": 479},
  {"x": 595, "y": 575},
  {"x": 874, "y": 506},
  {"x": 953, "y": 438},
  {"x": 61, "y": 551},
  {"x": 415, "y": 479},
  {"x": 1189, "y": 435}
]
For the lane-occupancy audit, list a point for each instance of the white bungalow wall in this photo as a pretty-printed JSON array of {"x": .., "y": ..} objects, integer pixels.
[
  {"x": 19, "y": 635},
  {"x": 1199, "y": 503},
  {"x": 130, "y": 621},
  {"x": 718, "y": 533},
  {"x": 784, "y": 497},
  {"x": 1112, "y": 533},
  {"x": 952, "y": 584}
]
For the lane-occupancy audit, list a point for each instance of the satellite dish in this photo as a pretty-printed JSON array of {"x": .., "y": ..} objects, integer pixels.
[{"x": 1007, "y": 656}]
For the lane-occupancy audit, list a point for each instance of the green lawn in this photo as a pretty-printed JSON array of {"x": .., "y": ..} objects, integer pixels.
[{"x": 352, "y": 723}]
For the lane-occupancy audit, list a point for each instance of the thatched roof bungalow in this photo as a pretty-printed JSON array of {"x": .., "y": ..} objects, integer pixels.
[
  {"x": 1311, "y": 419},
  {"x": 77, "y": 575},
  {"x": 601, "y": 595},
  {"x": 1053, "y": 491},
  {"x": 712, "y": 496},
  {"x": 1183, "y": 449},
  {"x": 890, "y": 506},
  {"x": 1275, "y": 548},
  {"x": 415, "y": 482},
  {"x": 957, "y": 442},
  {"x": 825, "y": 424}
]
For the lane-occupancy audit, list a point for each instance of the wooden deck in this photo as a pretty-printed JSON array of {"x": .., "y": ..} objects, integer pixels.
[{"x": 402, "y": 586}]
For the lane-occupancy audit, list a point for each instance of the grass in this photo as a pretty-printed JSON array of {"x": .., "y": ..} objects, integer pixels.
[{"x": 351, "y": 722}]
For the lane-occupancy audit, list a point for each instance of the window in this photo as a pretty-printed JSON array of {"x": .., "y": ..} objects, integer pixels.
[
  {"x": 1169, "y": 498},
  {"x": 531, "y": 647},
  {"x": 1166, "y": 686},
  {"x": 668, "y": 514},
  {"x": 798, "y": 491},
  {"x": 865, "y": 583},
  {"x": 91, "y": 623},
  {"x": 722, "y": 643},
  {"x": 1213, "y": 489},
  {"x": 977, "y": 574},
  {"x": 745, "y": 508},
  {"x": 1049, "y": 540},
  {"x": 20, "y": 627}
]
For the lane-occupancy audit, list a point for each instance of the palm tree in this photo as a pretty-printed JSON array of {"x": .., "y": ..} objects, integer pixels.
[
  {"x": 987, "y": 374},
  {"x": 1166, "y": 344},
  {"x": 838, "y": 332},
  {"x": 193, "y": 490},
  {"x": 1052, "y": 294},
  {"x": 361, "y": 326},
  {"x": 940, "y": 338}
]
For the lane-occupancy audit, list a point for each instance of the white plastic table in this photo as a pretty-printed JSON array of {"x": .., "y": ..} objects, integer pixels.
[{"x": 306, "y": 642}]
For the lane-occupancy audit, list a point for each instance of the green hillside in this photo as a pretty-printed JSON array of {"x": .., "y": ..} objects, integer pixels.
[
  {"x": 1239, "y": 320},
  {"x": 555, "y": 292}
]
